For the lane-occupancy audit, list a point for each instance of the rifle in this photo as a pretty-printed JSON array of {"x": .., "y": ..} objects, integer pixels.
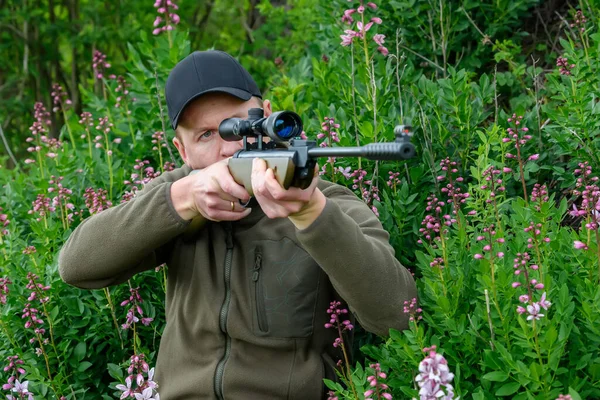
[{"x": 293, "y": 159}]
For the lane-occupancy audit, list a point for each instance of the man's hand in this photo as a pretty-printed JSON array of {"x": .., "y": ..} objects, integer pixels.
[
  {"x": 301, "y": 206},
  {"x": 212, "y": 193}
]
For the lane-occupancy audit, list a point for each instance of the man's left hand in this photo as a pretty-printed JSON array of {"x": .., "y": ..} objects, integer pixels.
[{"x": 301, "y": 206}]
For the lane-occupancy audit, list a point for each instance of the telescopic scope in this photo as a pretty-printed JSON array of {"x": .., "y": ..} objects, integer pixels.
[{"x": 281, "y": 126}]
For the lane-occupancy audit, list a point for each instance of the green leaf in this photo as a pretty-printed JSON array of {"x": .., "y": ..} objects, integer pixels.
[
  {"x": 366, "y": 130},
  {"x": 478, "y": 394},
  {"x": 508, "y": 389},
  {"x": 573, "y": 393},
  {"x": 550, "y": 336},
  {"x": 79, "y": 351},
  {"x": 84, "y": 365},
  {"x": 54, "y": 313},
  {"x": 115, "y": 371},
  {"x": 496, "y": 376},
  {"x": 583, "y": 361}
]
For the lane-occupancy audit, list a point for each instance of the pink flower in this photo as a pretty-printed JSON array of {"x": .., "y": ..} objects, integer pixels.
[
  {"x": 365, "y": 28},
  {"x": 543, "y": 302},
  {"x": 165, "y": 7},
  {"x": 126, "y": 389},
  {"x": 575, "y": 212},
  {"x": 579, "y": 245},
  {"x": 372, "y": 5},
  {"x": 376, "y": 20},
  {"x": 478, "y": 256},
  {"x": 534, "y": 312},
  {"x": 347, "y": 18},
  {"x": 523, "y": 298},
  {"x": 433, "y": 375},
  {"x": 379, "y": 39},
  {"x": 347, "y": 39},
  {"x": 533, "y": 157}
]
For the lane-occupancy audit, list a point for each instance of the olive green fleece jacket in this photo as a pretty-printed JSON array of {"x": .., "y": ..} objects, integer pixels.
[{"x": 246, "y": 302}]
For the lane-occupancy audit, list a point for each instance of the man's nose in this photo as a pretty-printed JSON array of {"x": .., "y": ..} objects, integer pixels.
[{"x": 228, "y": 149}]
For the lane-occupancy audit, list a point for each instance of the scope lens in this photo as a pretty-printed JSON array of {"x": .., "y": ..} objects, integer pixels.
[{"x": 284, "y": 126}]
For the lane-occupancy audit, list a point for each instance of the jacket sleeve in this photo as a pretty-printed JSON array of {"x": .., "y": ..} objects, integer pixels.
[
  {"x": 110, "y": 247},
  {"x": 360, "y": 261}
]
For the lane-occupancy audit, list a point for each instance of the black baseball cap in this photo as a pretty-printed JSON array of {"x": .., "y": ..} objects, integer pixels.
[{"x": 206, "y": 72}]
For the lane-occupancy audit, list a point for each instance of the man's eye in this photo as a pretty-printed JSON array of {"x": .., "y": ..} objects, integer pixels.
[{"x": 206, "y": 135}]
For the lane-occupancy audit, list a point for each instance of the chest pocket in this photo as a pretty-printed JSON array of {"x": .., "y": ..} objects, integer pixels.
[{"x": 284, "y": 281}]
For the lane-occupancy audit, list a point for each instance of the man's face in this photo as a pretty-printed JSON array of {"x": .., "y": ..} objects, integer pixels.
[{"x": 198, "y": 141}]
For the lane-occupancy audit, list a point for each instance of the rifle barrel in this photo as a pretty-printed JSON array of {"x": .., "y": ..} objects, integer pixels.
[{"x": 373, "y": 151}]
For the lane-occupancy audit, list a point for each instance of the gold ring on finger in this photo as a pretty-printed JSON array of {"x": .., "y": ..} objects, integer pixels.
[{"x": 232, "y": 205}]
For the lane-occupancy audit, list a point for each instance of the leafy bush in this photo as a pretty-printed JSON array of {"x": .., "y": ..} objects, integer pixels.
[{"x": 497, "y": 216}]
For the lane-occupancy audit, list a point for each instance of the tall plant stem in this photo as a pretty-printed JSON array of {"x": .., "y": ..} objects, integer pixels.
[
  {"x": 445, "y": 256},
  {"x": 444, "y": 43},
  {"x": 489, "y": 318},
  {"x": 69, "y": 129},
  {"x": 398, "y": 75},
  {"x": 539, "y": 256},
  {"x": 374, "y": 98},
  {"x": 112, "y": 312},
  {"x": 162, "y": 118},
  {"x": 348, "y": 371},
  {"x": 89, "y": 141},
  {"x": 129, "y": 123},
  {"x": 39, "y": 339},
  {"x": 39, "y": 157},
  {"x": 598, "y": 252},
  {"x": 539, "y": 353},
  {"x": 493, "y": 275},
  {"x": 355, "y": 114},
  {"x": 522, "y": 174},
  {"x": 110, "y": 169},
  {"x": 585, "y": 48}
]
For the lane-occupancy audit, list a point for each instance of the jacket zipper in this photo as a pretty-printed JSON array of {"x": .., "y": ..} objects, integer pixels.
[
  {"x": 224, "y": 311},
  {"x": 258, "y": 294}
]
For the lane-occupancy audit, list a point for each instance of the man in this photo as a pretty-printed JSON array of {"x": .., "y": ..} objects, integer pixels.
[{"x": 248, "y": 291}]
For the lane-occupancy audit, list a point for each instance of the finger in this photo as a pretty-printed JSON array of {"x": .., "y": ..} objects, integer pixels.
[
  {"x": 257, "y": 177},
  {"x": 230, "y": 187},
  {"x": 276, "y": 191},
  {"x": 290, "y": 194},
  {"x": 259, "y": 166},
  {"x": 230, "y": 205},
  {"x": 223, "y": 215}
]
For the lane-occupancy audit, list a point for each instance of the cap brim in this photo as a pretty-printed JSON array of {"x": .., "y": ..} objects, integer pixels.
[{"x": 240, "y": 94}]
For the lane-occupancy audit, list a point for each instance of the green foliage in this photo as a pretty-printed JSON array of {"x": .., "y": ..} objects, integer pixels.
[{"x": 460, "y": 74}]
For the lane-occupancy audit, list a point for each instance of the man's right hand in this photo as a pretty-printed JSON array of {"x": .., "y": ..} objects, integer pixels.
[{"x": 211, "y": 193}]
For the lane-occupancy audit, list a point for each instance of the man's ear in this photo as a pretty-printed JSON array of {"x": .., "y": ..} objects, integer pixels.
[
  {"x": 267, "y": 108},
  {"x": 180, "y": 148}
]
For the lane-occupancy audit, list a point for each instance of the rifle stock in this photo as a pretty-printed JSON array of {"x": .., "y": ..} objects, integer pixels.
[{"x": 241, "y": 171}]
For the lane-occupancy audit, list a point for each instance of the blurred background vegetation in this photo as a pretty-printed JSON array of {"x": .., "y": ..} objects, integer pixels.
[{"x": 43, "y": 42}]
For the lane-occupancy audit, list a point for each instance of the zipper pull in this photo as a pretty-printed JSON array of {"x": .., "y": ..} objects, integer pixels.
[{"x": 257, "y": 265}]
